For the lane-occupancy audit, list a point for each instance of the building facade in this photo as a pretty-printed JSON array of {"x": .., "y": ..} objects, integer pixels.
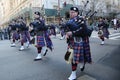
[
  {"x": 11, "y": 9},
  {"x": 4, "y": 10}
]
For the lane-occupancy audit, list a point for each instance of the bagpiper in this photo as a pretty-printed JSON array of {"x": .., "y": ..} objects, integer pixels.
[
  {"x": 78, "y": 41},
  {"x": 42, "y": 39},
  {"x": 24, "y": 33},
  {"x": 103, "y": 30},
  {"x": 13, "y": 32}
]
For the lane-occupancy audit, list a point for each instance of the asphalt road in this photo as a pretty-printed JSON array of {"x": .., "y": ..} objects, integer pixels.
[{"x": 19, "y": 65}]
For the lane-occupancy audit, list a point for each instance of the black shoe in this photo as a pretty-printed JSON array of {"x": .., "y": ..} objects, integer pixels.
[
  {"x": 37, "y": 59},
  {"x": 73, "y": 79},
  {"x": 45, "y": 52},
  {"x": 82, "y": 69}
]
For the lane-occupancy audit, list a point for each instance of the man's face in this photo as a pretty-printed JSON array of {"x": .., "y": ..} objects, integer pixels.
[
  {"x": 36, "y": 16},
  {"x": 73, "y": 14}
]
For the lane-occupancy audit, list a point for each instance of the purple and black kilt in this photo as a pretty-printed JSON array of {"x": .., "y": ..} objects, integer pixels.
[
  {"x": 25, "y": 36},
  {"x": 43, "y": 39},
  {"x": 15, "y": 35},
  {"x": 62, "y": 32},
  {"x": 81, "y": 52},
  {"x": 53, "y": 32},
  {"x": 105, "y": 32},
  {"x": 48, "y": 40},
  {"x": 40, "y": 41}
]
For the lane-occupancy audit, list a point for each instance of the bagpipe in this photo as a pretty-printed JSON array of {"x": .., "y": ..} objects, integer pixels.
[
  {"x": 21, "y": 25},
  {"x": 80, "y": 27},
  {"x": 79, "y": 23},
  {"x": 37, "y": 25}
]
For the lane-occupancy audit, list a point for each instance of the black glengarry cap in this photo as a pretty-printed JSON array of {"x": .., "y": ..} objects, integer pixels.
[
  {"x": 74, "y": 9},
  {"x": 37, "y": 13}
]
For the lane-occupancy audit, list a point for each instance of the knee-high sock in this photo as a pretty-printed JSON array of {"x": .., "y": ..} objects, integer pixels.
[
  {"x": 102, "y": 38},
  {"x": 39, "y": 49},
  {"x": 74, "y": 66}
]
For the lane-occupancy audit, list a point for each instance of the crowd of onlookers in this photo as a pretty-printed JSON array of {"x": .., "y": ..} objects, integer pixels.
[{"x": 4, "y": 34}]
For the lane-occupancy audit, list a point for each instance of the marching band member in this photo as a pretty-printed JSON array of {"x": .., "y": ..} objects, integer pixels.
[
  {"x": 13, "y": 32},
  {"x": 25, "y": 35},
  {"x": 42, "y": 35},
  {"x": 103, "y": 30},
  {"x": 78, "y": 41}
]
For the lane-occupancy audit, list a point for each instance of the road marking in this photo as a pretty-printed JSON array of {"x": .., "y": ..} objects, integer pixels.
[
  {"x": 94, "y": 36},
  {"x": 115, "y": 34},
  {"x": 115, "y": 37},
  {"x": 86, "y": 77}
]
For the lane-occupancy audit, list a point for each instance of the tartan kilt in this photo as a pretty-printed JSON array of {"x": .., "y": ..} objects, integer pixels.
[
  {"x": 53, "y": 32},
  {"x": 15, "y": 35},
  {"x": 40, "y": 41},
  {"x": 48, "y": 39},
  {"x": 24, "y": 36},
  {"x": 105, "y": 32},
  {"x": 62, "y": 32},
  {"x": 27, "y": 33},
  {"x": 81, "y": 52},
  {"x": 43, "y": 39},
  {"x": 48, "y": 42}
]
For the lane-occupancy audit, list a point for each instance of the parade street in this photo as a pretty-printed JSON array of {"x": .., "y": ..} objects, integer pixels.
[
  {"x": 20, "y": 65},
  {"x": 59, "y": 39}
]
